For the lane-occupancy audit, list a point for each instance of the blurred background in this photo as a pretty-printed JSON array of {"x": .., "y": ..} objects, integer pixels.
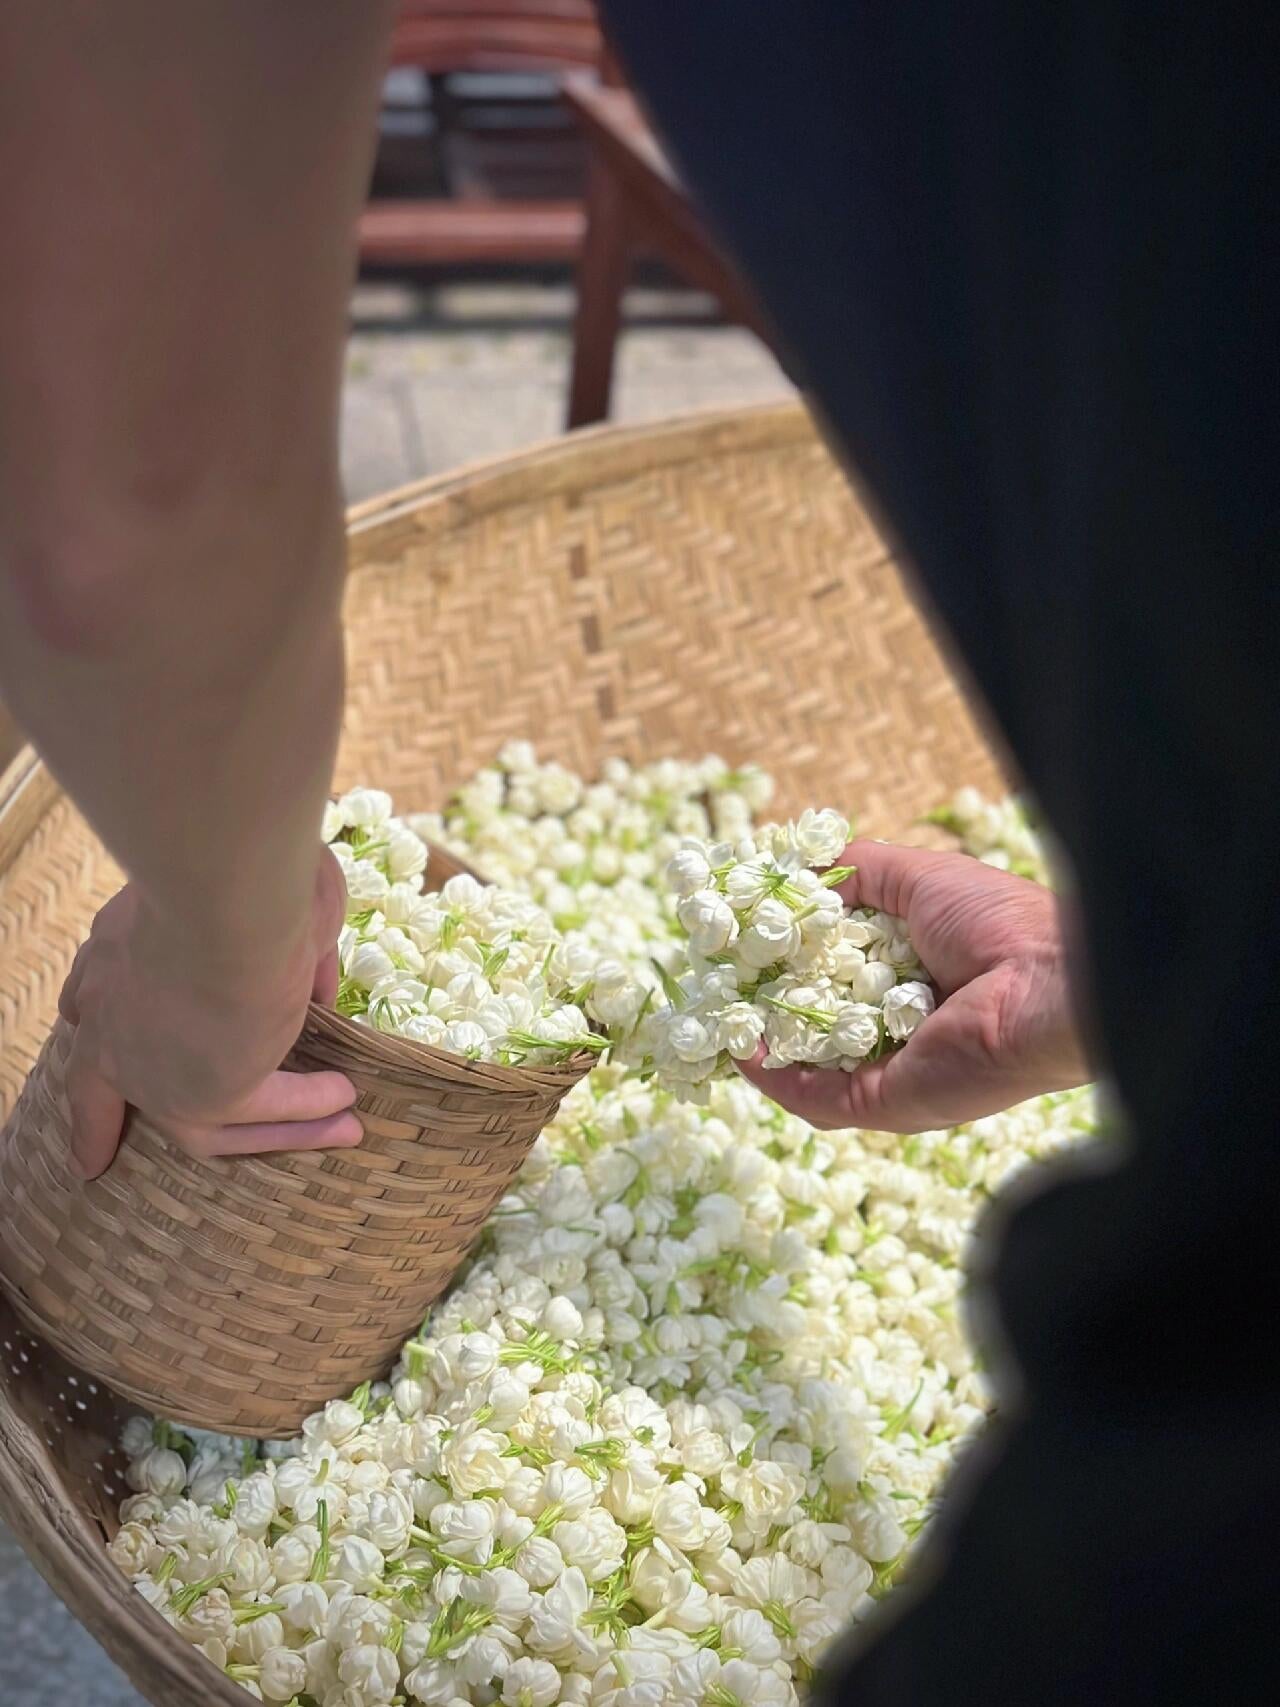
[{"x": 529, "y": 261}]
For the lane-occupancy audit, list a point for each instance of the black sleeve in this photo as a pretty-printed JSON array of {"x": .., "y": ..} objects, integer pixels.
[{"x": 1023, "y": 258}]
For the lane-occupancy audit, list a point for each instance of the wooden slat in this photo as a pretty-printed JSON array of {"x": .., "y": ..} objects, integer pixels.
[{"x": 450, "y": 232}]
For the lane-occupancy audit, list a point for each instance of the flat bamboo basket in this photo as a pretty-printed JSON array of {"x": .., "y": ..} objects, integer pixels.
[{"x": 705, "y": 585}]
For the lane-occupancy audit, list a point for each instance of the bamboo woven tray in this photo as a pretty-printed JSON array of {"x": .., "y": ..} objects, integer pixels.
[{"x": 710, "y": 584}]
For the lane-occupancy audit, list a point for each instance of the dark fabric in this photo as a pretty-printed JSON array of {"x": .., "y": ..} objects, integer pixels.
[{"x": 1023, "y": 257}]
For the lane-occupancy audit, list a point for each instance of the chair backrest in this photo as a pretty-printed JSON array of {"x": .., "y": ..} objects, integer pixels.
[{"x": 501, "y": 35}]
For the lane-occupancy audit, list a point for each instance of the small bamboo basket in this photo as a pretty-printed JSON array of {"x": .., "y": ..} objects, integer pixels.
[
  {"x": 707, "y": 584},
  {"x": 241, "y": 1293}
]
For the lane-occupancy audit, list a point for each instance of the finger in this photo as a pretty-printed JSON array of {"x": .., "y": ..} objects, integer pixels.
[
  {"x": 69, "y": 995},
  {"x": 334, "y": 1132},
  {"x": 97, "y": 1117},
  {"x": 294, "y": 1097},
  {"x": 325, "y": 987},
  {"x": 880, "y": 1096},
  {"x": 329, "y": 905},
  {"x": 886, "y": 875}
]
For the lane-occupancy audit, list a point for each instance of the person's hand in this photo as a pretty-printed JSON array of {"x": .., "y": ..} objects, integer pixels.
[
  {"x": 196, "y": 1046},
  {"x": 1003, "y": 1029}
]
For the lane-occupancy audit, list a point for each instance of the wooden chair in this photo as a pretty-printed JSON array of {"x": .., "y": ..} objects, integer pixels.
[{"x": 635, "y": 204}]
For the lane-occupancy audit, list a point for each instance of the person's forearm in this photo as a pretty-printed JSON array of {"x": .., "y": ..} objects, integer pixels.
[
  {"x": 178, "y": 199},
  {"x": 199, "y": 740}
]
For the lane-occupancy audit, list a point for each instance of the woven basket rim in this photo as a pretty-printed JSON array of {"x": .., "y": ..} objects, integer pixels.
[
  {"x": 408, "y": 1060},
  {"x": 612, "y": 450}
]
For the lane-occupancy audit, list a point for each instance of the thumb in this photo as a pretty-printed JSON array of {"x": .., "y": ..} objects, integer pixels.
[
  {"x": 97, "y": 1117},
  {"x": 886, "y": 876},
  {"x": 325, "y": 987}
]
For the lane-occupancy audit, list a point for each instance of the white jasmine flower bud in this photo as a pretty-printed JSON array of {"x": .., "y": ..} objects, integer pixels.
[
  {"x": 689, "y": 1039},
  {"x": 677, "y": 1516},
  {"x": 771, "y": 936},
  {"x": 485, "y": 1656},
  {"x": 209, "y": 1616},
  {"x": 409, "y": 1396},
  {"x": 322, "y": 1669},
  {"x": 744, "y": 1682},
  {"x": 255, "y": 1504},
  {"x": 142, "y": 1508},
  {"x": 693, "y": 1678},
  {"x": 465, "y": 1530},
  {"x": 293, "y": 1554},
  {"x": 808, "y": 1543},
  {"x": 434, "y": 1683},
  {"x": 738, "y": 1030},
  {"x": 905, "y": 1007},
  {"x": 402, "y": 951},
  {"x": 569, "y": 1489},
  {"x": 365, "y": 808},
  {"x": 558, "y": 790},
  {"x": 245, "y": 1565},
  {"x": 473, "y": 1460},
  {"x": 469, "y": 992},
  {"x": 709, "y": 920},
  {"x": 768, "y": 1492},
  {"x": 354, "y": 1619},
  {"x": 877, "y": 1534},
  {"x": 282, "y": 1674},
  {"x": 366, "y": 885},
  {"x": 258, "y": 1637},
  {"x": 358, "y": 1562},
  {"x": 531, "y": 1683},
  {"x": 390, "y": 1513},
  {"x": 555, "y": 1624},
  {"x": 820, "y": 837},
  {"x": 369, "y": 965},
  {"x": 539, "y": 1561},
  {"x": 847, "y": 1572},
  {"x": 749, "y": 1633},
  {"x": 304, "y": 1606},
  {"x": 340, "y": 1420},
  {"x": 595, "y": 1542},
  {"x": 507, "y": 1398},
  {"x": 158, "y": 1471},
  {"x": 406, "y": 854},
  {"x": 332, "y": 822},
  {"x": 370, "y": 1674},
  {"x": 688, "y": 871},
  {"x": 856, "y": 1030},
  {"x": 464, "y": 1037},
  {"x": 133, "y": 1549},
  {"x": 502, "y": 1592},
  {"x": 562, "y": 1319},
  {"x": 137, "y": 1436}
]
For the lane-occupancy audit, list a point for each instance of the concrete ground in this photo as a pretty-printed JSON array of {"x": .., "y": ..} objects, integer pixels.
[{"x": 436, "y": 376}]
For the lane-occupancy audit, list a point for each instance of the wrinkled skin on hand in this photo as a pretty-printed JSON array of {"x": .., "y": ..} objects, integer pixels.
[{"x": 1004, "y": 1028}]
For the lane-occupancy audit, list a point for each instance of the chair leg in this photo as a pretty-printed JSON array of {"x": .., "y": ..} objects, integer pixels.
[{"x": 602, "y": 277}]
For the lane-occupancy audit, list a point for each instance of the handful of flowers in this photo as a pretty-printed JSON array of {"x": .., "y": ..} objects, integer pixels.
[{"x": 776, "y": 957}]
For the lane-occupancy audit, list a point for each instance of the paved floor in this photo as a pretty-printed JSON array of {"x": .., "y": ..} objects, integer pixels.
[{"x": 435, "y": 377}]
